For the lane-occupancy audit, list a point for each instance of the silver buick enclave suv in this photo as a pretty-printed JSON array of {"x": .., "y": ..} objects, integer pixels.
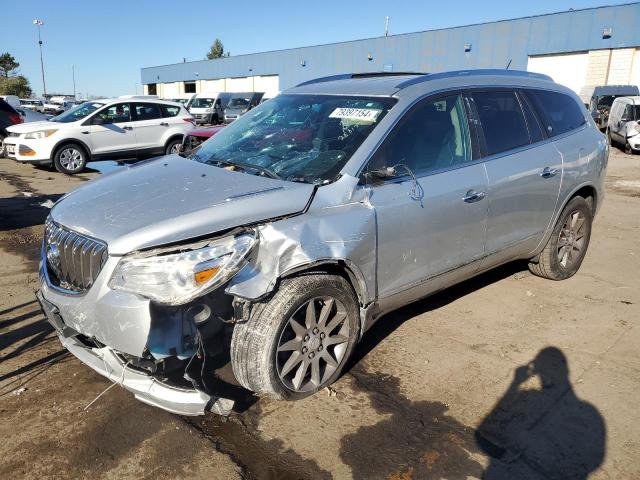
[{"x": 289, "y": 233}]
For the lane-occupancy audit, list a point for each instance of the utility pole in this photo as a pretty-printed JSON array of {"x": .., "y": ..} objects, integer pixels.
[
  {"x": 386, "y": 26},
  {"x": 73, "y": 73},
  {"x": 39, "y": 23}
]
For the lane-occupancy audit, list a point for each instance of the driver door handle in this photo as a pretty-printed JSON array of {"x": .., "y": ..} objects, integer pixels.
[
  {"x": 127, "y": 127},
  {"x": 164, "y": 124},
  {"x": 472, "y": 196},
  {"x": 549, "y": 172}
]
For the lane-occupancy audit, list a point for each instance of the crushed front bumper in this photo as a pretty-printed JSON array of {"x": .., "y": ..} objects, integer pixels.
[{"x": 145, "y": 388}]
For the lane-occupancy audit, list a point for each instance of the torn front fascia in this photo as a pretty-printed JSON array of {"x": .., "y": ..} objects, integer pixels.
[{"x": 194, "y": 333}]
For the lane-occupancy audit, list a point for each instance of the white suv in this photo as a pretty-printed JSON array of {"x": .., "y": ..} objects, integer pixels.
[{"x": 125, "y": 127}]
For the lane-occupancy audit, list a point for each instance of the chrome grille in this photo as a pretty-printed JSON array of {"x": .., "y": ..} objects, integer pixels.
[{"x": 73, "y": 261}]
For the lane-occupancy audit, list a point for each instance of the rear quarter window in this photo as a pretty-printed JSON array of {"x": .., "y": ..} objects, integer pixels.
[
  {"x": 559, "y": 112},
  {"x": 169, "y": 110}
]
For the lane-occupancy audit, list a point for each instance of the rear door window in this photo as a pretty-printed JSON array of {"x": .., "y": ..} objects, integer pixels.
[
  {"x": 535, "y": 129},
  {"x": 502, "y": 120},
  {"x": 147, "y": 111},
  {"x": 559, "y": 112}
]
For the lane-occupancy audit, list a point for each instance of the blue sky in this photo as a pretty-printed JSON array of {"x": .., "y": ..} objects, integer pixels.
[{"x": 109, "y": 41}]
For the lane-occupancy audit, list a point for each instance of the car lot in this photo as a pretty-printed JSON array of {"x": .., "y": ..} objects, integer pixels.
[{"x": 424, "y": 379}]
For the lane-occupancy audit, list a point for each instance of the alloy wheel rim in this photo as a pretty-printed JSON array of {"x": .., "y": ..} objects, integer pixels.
[
  {"x": 174, "y": 148},
  {"x": 71, "y": 158},
  {"x": 312, "y": 344},
  {"x": 571, "y": 240}
]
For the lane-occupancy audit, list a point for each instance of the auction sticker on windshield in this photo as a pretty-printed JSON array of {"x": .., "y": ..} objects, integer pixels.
[{"x": 367, "y": 115}]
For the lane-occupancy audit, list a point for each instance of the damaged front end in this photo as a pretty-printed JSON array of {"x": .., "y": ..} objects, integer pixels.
[{"x": 160, "y": 323}]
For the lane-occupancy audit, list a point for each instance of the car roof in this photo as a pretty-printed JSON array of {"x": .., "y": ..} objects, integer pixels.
[
  {"x": 390, "y": 83},
  {"x": 615, "y": 89},
  {"x": 133, "y": 99}
]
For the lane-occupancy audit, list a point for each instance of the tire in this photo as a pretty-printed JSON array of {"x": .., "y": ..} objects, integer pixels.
[
  {"x": 609, "y": 139},
  {"x": 627, "y": 148},
  {"x": 266, "y": 345},
  {"x": 557, "y": 264},
  {"x": 173, "y": 147},
  {"x": 70, "y": 158}
]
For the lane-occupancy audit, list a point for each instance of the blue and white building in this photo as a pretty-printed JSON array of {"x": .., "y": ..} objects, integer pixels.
[{"x": 578, "y": 48}]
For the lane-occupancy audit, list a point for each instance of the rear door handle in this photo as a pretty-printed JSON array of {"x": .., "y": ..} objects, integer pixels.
[
  {"x": 127, "y": 128},
  {"x": 164, "y": 124},
  {"x": 85, "y": 132},
  {"x": 472, "y": 196},
  {"x": 549, "y": 172}
]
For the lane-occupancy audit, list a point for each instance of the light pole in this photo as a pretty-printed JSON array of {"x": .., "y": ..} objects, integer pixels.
[{"x": 39, "y": 23}]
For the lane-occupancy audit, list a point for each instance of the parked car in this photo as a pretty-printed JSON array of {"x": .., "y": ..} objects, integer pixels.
[
  {"x": 29, "y": 115},
  {"x": 12, "y": 100},
  {"x": 241, "y": 103},
  {"x": 295, "y": 228},
  {"x": 184, "y": 99},
  {"x": 196, "y": 137},
  {"x": 129, "y": 127},
  {"x": 208, "y": 108},
  {"x": 599, "y": 100},
  {"x": 56, "y": 107},
  {"x": 32, "y": 104},
  {"x": 623, "y": 127},
  {"x": 8, "y": 117}
]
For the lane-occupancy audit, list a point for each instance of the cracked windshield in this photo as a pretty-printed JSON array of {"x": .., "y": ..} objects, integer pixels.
[{"x": 298, "y": 138}]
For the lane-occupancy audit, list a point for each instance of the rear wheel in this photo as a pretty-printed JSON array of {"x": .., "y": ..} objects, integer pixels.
[
  {"x": 70, "y": 159},
  {"x": 173, "y": 147},
  {"x": 298, "y": 341},
  {"x": 565, "y": 250}
]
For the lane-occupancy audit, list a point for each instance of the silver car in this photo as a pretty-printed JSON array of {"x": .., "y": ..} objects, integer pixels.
[{"x": 294, "y": 229}]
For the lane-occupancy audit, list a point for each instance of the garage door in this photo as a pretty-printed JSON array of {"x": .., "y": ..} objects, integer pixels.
[{"x": 568, "y": 69}]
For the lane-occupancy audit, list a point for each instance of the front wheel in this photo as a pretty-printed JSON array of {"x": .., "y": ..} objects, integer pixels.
[
  {"x": 70, "y": 159},
  {"x": 298, "y": 341},
  {"x": 565, "y": 250}
]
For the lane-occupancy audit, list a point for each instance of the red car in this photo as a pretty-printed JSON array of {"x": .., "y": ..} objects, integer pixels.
[{"x": 197, "y": 137}]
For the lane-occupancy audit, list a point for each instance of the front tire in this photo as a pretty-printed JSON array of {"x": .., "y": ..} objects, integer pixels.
[
  {"x": 297, "y": 342},
  {"x": 566, "y": 248},
  {"x": 70, "y": 159}
]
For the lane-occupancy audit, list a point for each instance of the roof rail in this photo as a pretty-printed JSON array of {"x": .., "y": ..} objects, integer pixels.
[
  {"x": 484, "y": 71},
  {"x": 347, "y": 76},
  {"x": 138, "y": 96}
]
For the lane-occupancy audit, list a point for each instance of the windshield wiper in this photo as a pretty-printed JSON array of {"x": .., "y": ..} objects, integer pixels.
[{"x": 247, "y": 166}]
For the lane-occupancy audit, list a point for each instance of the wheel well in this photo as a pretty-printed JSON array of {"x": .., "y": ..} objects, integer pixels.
[
  {"x": 337, "y": 267},
  {"x": 64, "y": 143},
  {"x": 589, "y": 194},
  {"x": 172, "y": 138}
]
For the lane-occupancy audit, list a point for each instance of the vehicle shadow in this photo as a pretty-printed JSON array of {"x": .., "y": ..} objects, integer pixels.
[
  {"x": 25, "y": 210},
  {"x": 388, "y": 323}
]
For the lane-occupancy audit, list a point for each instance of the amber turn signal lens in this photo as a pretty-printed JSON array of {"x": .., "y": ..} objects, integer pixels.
[{"x": 205, "y": 275}]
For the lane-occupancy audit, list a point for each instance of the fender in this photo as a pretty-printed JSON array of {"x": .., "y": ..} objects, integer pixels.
[{"x": 71, "y": 140}]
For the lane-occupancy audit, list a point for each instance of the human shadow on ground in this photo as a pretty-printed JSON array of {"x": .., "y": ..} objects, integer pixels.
[{"x": 545, "y": 432}]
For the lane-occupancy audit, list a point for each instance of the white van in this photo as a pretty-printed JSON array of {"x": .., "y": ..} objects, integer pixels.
[
  {"x": 623, "y": 127},
  {"x": 209, "y": 107}
]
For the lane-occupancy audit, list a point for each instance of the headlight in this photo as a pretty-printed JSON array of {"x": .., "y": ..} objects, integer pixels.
[
  {"x": 39, "y": 134},
  {"x": 209, "y": 110},
  {"x": 177, "y": 278}
]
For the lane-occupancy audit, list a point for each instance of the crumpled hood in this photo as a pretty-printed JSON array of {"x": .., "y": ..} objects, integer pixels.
[
  {"x": 172, "y": 199},
  {"x": 33, "y": 126}
]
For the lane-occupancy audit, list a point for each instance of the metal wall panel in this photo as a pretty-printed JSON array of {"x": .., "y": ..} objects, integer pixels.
[{"x": 493, "y": 46}]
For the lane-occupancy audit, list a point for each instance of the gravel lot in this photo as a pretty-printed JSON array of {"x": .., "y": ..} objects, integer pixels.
[{"x": 428, "y": 386}]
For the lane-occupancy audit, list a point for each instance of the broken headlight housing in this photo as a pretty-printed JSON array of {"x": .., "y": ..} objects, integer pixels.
[{"x": 177, "y": 277}]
